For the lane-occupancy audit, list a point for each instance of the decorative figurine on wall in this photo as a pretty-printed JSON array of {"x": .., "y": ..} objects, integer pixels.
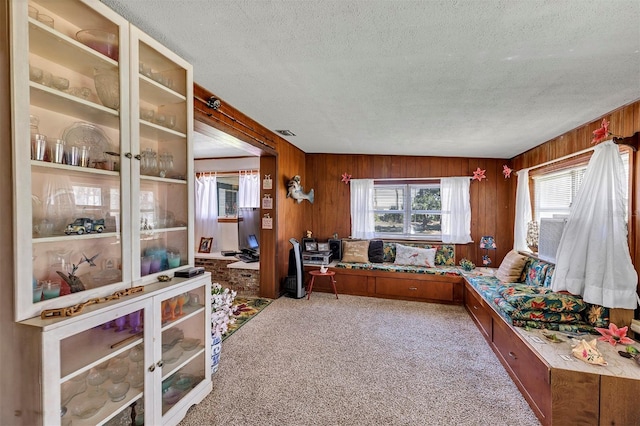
[
  {"x": 479, "y": 174},
  {"x": 346, "y": 178},
  {"x": 296, "y": 191},
  {"x": 506, "y": 171}
]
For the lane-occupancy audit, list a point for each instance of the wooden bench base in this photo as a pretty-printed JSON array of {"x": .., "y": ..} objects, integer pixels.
[
  {"x": 560, "y": 391},
  {"x": 395, "y": 285}
]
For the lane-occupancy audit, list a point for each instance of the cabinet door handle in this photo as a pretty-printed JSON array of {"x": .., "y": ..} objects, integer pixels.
[
  {"x": 413, "y": 288},
  {"x": 137, "y": 156},
  {"x": 475, "y": 307},
  {"x": 512, "y": 355},
  {"x": 128, "y": 155},
  {"x": 160, "y": 363},
  {"x": 152, "y": 367}
]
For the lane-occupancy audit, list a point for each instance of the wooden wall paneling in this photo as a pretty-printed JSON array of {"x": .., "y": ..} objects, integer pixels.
[
  {"x": 504, "y": 220},
  {"x": 412, "y": 168},
  {"x": 293, "y": 218},
  {"x": 268, "y": 237},
  {"x": 435, "y": 166}
]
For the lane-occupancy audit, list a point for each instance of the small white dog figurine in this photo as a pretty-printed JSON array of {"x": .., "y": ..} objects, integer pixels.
[{"x": 323, "y": 269}]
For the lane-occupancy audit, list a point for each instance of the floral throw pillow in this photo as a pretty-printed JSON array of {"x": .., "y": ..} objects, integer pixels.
[
  {"x": 406, "y": 255},
  {"x": 550, "y": 302},
  {"x": 596, "y": 315}
]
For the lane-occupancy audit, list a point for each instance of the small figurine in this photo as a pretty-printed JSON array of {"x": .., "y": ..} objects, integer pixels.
[
  {"x": 309, "y": 234},
  {"x": 75, "y": 283}
]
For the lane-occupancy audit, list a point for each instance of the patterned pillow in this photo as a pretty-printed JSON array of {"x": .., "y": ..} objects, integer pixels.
[
  {"x": 549, "y": 276},
  {"x": 596, "y": 315},
  {"x": 355, "y": 251},
  {"x": 406, "y": 255},
  {"x": 546, "y": 316},
  {"x": 536, "y": 273},
  {"x": 549, "y": 302},
  {"x": 520, "y": 288}
]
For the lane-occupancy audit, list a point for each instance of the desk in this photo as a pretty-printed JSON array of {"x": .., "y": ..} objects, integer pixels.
[{"x": 315, "y": 274}]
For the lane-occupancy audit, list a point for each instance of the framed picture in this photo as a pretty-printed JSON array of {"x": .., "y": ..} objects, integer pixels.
[
  {"x": 310, "y": 246},
  {"x": 205, "y": 245}
]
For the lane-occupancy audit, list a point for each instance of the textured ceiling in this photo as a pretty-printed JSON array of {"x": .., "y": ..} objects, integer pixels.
[{"x": 450, "y": 78}]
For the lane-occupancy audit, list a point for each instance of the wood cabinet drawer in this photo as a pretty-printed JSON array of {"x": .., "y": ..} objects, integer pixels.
[
  {"x": 480, "y": 312},
  {"x": 345, "y": 284},
  {"x": 531, "y": 372},
  {"x": 433, "y": 290}
]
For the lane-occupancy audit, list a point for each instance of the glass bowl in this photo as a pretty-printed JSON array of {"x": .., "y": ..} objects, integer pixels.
[
  {"x": 101, "y": 41},
  {"x": 108, "y": 87},
  {"x": 172, "y": 355},
  {"x": 184, "y": 382},
  {"x": 172, "y": 395},
  {"x": 88, "y": 407},
  {"x": 118, "y": 391},
  {"x": 118, "y": 370},
  {"x": 189, "y": 344}
]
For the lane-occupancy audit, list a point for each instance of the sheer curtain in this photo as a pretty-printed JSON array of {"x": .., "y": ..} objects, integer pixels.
[
  {"x": 248, "y": 189},
  {"x": 206, "y": 214},
  {"x": 523, "y": 211},
  {"x": 362, "y": 219},
  {"x": 593, "y": 255},
  {"x": 456, "y": 210}
]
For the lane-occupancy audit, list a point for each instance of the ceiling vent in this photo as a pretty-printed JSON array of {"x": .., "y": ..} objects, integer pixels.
[{"x": 286, "y": 132}]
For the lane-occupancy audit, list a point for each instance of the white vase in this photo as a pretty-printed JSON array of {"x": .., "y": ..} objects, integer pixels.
[{"x": 216, "y": 347}]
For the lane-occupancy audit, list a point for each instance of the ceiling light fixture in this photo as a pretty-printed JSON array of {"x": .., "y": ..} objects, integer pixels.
[{"x": 286, "y": 132}]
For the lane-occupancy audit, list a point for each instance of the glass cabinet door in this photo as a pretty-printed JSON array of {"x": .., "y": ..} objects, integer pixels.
[
  {"x": 185, "y": 332},
  {"x": 69, "y": 74},
  {"x": 95, "y": 369},
  {"x": 161, "y": 105}
]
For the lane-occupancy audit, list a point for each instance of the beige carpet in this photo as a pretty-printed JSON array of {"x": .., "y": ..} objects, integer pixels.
[{"x": 360, "y": 361}]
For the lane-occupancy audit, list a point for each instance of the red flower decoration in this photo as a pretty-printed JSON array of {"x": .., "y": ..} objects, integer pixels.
[
  {"x": 602, "y": 133},
  {"x": 506, "y": 171},
  {"x": 614, "y": 335},
  {"x": 479, "y": 174},
  {"x": 346, "y": 178}
]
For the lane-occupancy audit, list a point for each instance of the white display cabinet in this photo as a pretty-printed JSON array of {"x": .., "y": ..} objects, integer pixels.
[
  {"x": 162, "y": 110},
  {"x": 145, "y": 357},
  {"x": 103, "y": 196}
]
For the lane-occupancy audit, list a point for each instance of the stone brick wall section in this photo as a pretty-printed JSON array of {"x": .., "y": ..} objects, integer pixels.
[{"x": 245, "y": 281}]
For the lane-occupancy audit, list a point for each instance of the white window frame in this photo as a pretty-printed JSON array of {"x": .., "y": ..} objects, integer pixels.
[
  {"x": 576, "y": 174},
  {"x": 407, "y": 211}
]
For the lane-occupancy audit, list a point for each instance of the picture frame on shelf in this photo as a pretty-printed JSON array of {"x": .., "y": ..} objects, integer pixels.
[{"x": 205, "y": 245}]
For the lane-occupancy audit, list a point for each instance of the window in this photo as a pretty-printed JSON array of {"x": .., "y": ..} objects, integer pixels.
[
  {"x": 407, "y": 210},
  {"x": 227, "y": 196},
  {"x": 554, "y": 192}
]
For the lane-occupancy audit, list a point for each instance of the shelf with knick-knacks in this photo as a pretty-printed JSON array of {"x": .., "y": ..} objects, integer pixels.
[
  {"x": 88, "y": 154},
  {"x": 92, "y": 221}
]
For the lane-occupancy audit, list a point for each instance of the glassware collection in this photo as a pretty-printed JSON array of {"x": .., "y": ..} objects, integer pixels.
[{"x": 79, "y": 212}]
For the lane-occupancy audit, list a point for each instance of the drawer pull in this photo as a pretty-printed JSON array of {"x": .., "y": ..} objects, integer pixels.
[
  {"x": 475, "y": 307},
  {"x": 512, "y": 355},
  {"x": 413, "y": 288}
]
